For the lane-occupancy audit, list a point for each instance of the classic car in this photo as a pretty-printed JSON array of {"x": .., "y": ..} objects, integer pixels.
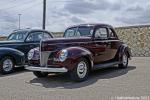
[
  {"x": 14, "y": 50},
  {"x": 82, "y": 49}
]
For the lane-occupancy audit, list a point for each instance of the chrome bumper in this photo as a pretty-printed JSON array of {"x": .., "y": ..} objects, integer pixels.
[{"x": 45, "y": 69}]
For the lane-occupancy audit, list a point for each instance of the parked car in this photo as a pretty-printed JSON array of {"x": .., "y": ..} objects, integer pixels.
[
  {"x": 84, "y": 48},
  {"x": 14, "y": 50}
]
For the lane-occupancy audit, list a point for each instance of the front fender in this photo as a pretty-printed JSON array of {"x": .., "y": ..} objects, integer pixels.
[
  {"x": 74, "y": 54},
  {"x": 16, "y": 54}
]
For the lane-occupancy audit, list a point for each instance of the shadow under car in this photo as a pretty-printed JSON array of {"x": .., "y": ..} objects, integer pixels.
[{"x": 63, "y": 80}]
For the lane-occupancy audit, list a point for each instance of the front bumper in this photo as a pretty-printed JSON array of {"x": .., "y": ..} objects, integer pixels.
[{"x": 45, "y": 69}]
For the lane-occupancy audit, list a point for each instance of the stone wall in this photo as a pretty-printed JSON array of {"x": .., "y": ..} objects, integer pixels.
[
  {"x": 2, "y": 38},
  {"x": 137, "y": 37},
  {"x": 57, "y": 34}
]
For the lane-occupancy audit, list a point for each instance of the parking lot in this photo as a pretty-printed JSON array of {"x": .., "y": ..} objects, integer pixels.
[{"x": 106, "y": 84}]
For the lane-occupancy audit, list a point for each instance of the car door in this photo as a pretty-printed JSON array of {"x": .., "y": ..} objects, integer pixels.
[
  {"x": 100, "y": 45},
  {"x": 112, "y": 44},
  {"x": 31, "y": 41}
]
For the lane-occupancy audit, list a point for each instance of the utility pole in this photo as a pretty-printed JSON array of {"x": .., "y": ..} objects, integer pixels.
[
  {"x": 44, "y": 13},
  {"x": 19, "y": 20}
]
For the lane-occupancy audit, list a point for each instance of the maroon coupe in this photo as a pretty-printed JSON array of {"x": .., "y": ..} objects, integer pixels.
[{"x": 82, "y": 49}]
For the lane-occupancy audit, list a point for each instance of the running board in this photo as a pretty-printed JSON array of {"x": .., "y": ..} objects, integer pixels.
[{"x": 105, "y": 65}]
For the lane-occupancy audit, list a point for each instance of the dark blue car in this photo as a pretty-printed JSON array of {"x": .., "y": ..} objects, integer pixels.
[{"x": 13, "y": 51}]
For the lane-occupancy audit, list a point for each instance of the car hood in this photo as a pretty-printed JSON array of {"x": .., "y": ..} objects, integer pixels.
[
  {"x": 59, "y": 43},
  {"x": 67, "y": 40}
]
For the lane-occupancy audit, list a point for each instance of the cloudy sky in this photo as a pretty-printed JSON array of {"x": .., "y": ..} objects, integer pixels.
[{"x": 63, "y": 13}]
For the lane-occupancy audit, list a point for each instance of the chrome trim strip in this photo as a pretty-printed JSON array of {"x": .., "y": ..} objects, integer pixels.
[
  {"x": 44, "y": 56},
  {"x": 45, "y": 69},
  {"x": 40, "y": 50}
]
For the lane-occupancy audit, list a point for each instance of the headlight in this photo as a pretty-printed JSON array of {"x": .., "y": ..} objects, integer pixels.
[
  {"x": 34, "y": 54},
  {"x": 63, "y": 55},
  {"x": 30, "y": 54}
]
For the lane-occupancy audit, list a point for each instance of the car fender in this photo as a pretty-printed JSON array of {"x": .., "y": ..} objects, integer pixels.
[
  {"x": 18, "y": 56},
  {"x": 124, "y": 48},
  {"x": 75, "y": 53}
]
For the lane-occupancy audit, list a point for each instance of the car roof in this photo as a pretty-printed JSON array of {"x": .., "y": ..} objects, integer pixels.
[
  {"x": 91, "y": 24},
  {"x": 30, "y": 30}
]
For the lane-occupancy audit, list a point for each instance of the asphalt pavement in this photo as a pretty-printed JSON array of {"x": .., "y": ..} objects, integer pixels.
[{"x": 112, "y": 83}]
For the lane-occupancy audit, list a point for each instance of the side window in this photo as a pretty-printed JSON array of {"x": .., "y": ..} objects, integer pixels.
[
  {"x": 111, "y": 33},
  {"x": 46, "y": 36},
  {"x": 36, "y": 36},
  {"x": 71, "y": 32},
  {"x": 101, "y": 33}
]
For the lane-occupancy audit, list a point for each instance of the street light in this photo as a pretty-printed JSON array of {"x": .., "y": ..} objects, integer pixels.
[
  {"x": 19, "y": 20},
  {"x": 44, "y": 14}
]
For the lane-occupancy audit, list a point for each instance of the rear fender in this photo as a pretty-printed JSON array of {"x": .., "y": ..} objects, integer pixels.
[{"x": 124, "y": 48}]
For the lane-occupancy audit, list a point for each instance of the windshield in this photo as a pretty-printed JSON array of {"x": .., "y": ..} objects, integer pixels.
[
  {"x": 79, "y": 31},
  {"x": 20, "y": 35}
]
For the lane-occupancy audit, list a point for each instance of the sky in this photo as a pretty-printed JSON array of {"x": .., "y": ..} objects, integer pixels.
[{"x": 64, "y": 13}]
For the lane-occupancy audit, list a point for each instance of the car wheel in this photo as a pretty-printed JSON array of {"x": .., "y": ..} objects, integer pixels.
[
  {"x": 7, "y": 65},
  {"x": 125, "y": 60},
  {"x": 81, "y": 70},
  {"x": 40, "y": 74}
]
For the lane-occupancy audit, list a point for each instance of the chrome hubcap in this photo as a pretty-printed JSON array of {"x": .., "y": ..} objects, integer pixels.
[
  {"x": 7, "y": 65},
  {"x": 82, "y": 69},
  {"x": 125, "y": 61}
]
